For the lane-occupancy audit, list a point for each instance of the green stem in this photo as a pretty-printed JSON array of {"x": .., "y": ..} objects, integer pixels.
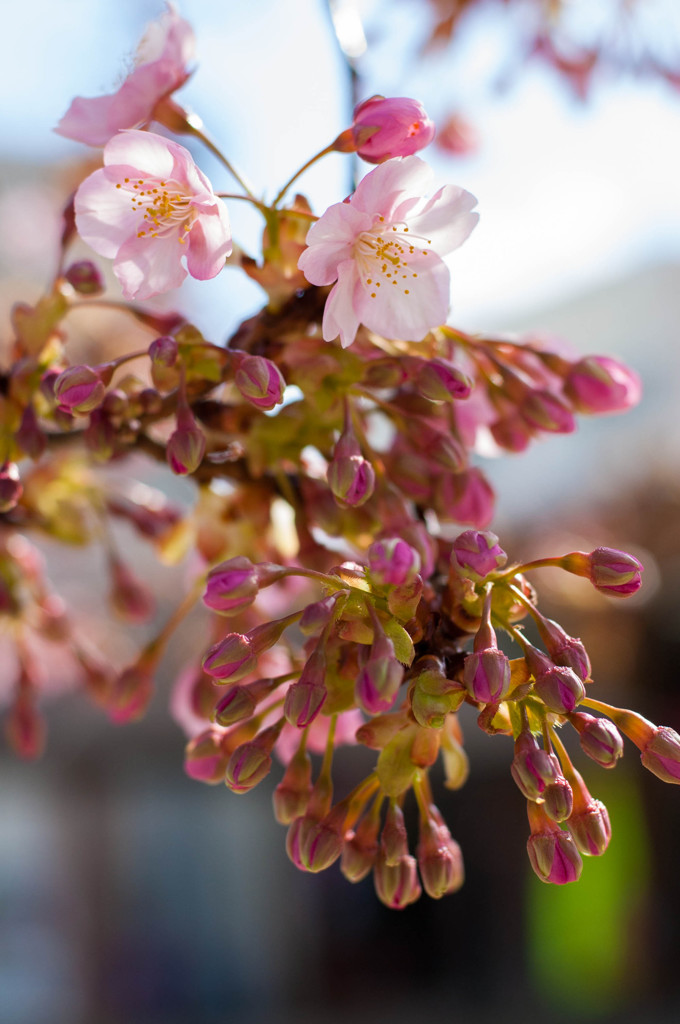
[{"x": 312, "y": 160}]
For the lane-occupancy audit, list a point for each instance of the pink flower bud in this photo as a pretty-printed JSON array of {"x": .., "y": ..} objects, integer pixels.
[
  {"x": 237, "y": 705},
  {"x": 486, "y": 675},
  {"x": 533, "y": 768},
  {"x": 248, "y": 765},
  {"x": 558, "y": 687},
  {"x": 29, "y": 436},
  {"x": 292, "y": 794},
  {"x": 440, "y": 381},
  {"x": 232, "y": 658},
  {"x": 164, "y": 351},
  {"x": 661, "y": 754},
  {"x": 205, "y": 758},
  {"x": 476, "y": 554},
  {"x": 131, "y": 599},
  {"x": 392, "y": 562},
  {"x": 554, "y": 856},
  {"x": 545, "y": 411},
  {"x": 599, "y": 738},
  {"x": 466, "y": 497},
  {"x": 564, "y": 649},
  {"x": 590, "y": 829},
  {"x": 511, "y": 433},
  {"x": 440, "y": 860},
  {"x": 130, "y": 693},
  {"x": 306, "y": 697},
  {"x": 260, "y": 381},
  {"x": 599, "y": 384},
  {"x": 321, "y": 842},
  {"x": 380, "y": 679},
  {"x": 350, "y": 476},
  {"x": 100, "y": 436},
  {"x": 186, "y": 446},
  {"x": 396, "y": 884},
  {"x": 231, "y": 586},
  {"x": 558, "y": 799},
  {"x": 402, "y": 126},
  {"x": 79, "y": 389},
  {"x": 360, "y": 849},
  {"x": 317, "y": 615},
  {"x": 10, "y": 487},
  {"x": 84, "y": 278},
  {"x": 614, "y": 572}
]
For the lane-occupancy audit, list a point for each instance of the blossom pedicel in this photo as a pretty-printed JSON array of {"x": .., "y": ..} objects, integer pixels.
[{"x": 373, "y": 455}]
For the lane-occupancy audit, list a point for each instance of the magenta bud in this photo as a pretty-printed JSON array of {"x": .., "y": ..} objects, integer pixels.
[
  {"x": 533, "y": 768},
  {"x": 350, "y": 476},
  {"x": 393, "y": 839},
  {"x": 236, "y": 705},
  {"x": 440, "y": 381},
  {"x": 304, "y": 701},
  {"x": 11, "y": 488},
  {"x": 396, "y": 884},
  {"x": 558, "y": 799},
  {"x": 260, "y": 381},
  {"x": 292, "y": 794},
  {"x": 131, "y": 599},
  {"x": 30, "y": 438},
  {"x": 383, "y": 128},
  {"x": 661, "y": 754},
  {"x": 163, "y": 351},
  {"x": 232, "y": 658},
  {"x": 554, "y": 856},
  {"x": 486, "y": 675},
  {"x": 360, "y": 849},
  {"x": 403, "y": 601},
  {"x": 231, "y": 586},
  {"x": 599, "y": 384},
  {"x": 545, "y": 411},
  {"x": 466, "y": 497},
  {"x": 564, "y": 649},
  {"x": 205, "y": 758},
  {"x": 321, "y": 842},
  {"x": 599, "y": 738},
  {"x": 614, "y": 572},
  {"x": 79, "y": 389},
  {"x": 590, "y": 829},
  {"x": 129, "y": 695},
  {"x": 476, "y": 553},
  {"x": 511, "y": 433},
  {"x": 440, "y": 860},
  {"x": 380, "y": 679},
  {"x": 84, "y": 278},
  {"x": 558, "y": 687},
  {"x": 248, "y": 765},
  {"x": 392, "y": 562},
  {"x": 186, "y": 446},
  {"x": 317, "y": 615}
]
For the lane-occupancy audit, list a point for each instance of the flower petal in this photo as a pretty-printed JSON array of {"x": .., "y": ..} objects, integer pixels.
[
  {"x": 147, "y": 267},
  {"x": 339, "y": 316},
  {"x": 445, "y": 220},
  {"x": 104, "y": 214},
  {"x": 330, "y": 241},
  {"x": 209, "y": 242},
  {"x": 147, "y": 154},
  {"x": 381, "y": 189},
  {"x": 407, "y": 307}
]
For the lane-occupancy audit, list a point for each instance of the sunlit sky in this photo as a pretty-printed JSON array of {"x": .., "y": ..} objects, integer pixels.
[{"x": 570, "y": 195}]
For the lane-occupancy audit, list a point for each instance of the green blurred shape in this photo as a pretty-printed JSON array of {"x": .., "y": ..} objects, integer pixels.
[{"x": 581, "y": 938}]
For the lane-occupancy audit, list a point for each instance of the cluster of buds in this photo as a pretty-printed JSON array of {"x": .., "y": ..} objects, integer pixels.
[{"x": 343, "y": 417}]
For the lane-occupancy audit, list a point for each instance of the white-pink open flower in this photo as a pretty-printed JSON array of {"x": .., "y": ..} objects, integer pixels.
[
  {"x": 384, "y": 247},
  {"x": 161, "y": 64},
  {"x": 149, "y": 208}
]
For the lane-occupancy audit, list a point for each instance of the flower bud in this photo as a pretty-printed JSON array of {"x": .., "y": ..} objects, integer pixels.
[
  {"x": 392, "y": 562},
  {"x": 614, "y": 572},
  {"x": 599, "y": 384},
  {"x": 558, "y": 687},
  {"x": 260, "y": 382},
  {"x": 383, "y": 128},
  {"x": 316, "y": 616},
  {"x": 554, "y": 856},
  {"x": 291, "y": 796},
  {"x": 231, "y": 586},
  {"x": 321, "y": 842},
  {"x": 466, "y": 497},
  {"x": 558, "y": 799},
  {"x": 440, "y": 381},
  {"x": 590, "y": 829},
  {"x": 564, "y": 649},
  {"x": 250, "y": 762},
  {"x": 29, "y": 437},
  {"x": 231, "y": 658},
  {"x": 477, "y": 553},
  {"x": 360, "y": 849},
  {"x": 545, "y": 411},
  {"x": 84, "y": 278},
  {"x": 237, "y": 705},
  {"x": 394, "y": 840},
  {"x": 306, "y": 697},
  {"x": 661, "y": 754},
  {"x": 380, "y": 679},
  {"x": 130, "y": 693},
  {"x": 511, "y": 433},
  {"x": 397, "y": 884},
  {"x": 205, "y": 758},
  {"x": 350, "y": 476},
  {"x": 533, "y": 768},
  {"x": 403, "y": 601},
  {"x": 164, "y": 351},
  {"x": 25, "y": 727},
  {"x": 186, "y": 446},
  {"x": 11, "y": 488},
  {"x": 79, "y": 389},
  {"x": 599, "y": 738},
  {"x": 131, "y": 599},
  {"x": 486, "y": 675},
  {"x": 440, "y": 860}
]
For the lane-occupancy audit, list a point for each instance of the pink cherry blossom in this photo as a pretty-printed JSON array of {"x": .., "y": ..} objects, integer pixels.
[
  {"x": 384, "y": 248},
  {"x": 399, "y": 126},
  {"x": 160, "y": 68},
  {"x": 149, "y": 207}
]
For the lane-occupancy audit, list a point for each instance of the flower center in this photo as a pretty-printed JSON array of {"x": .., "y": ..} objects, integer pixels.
[
  {"x": 383, "y": 255},
  {"x": 164, "y": 207}
]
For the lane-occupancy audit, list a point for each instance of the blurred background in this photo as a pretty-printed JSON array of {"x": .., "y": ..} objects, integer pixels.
[{"x": 129, "y": 893}]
